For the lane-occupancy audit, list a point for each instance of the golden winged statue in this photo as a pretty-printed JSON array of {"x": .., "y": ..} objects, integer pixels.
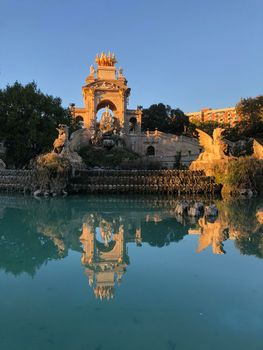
[{"x": 215, "y": 148}]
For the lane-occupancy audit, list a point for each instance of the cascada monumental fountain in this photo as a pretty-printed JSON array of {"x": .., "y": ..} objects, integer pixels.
[{"x": 106, "y": 88}]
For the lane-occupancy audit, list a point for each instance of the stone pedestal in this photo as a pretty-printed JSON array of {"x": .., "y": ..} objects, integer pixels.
[{"x": 208, "y": 167}]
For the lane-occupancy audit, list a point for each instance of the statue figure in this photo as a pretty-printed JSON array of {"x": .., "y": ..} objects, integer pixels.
[
  {"x": 216, "y": 152},
  {"x": 215, "y": 148},
  {"x": 62, "y": 140},
  {"x": 92, "y": 70},
  {"x": 107, "y": 121},
  {"x": 120, "y": 73},
  {"x": 257, "y": 150},
  {"x": 105, "y": 232}
]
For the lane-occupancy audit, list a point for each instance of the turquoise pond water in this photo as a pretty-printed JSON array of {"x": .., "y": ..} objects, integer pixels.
[{"x": 109, "y": 273}]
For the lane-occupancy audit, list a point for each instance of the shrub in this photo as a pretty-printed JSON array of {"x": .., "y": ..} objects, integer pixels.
[
  {"x": 53, "y": 162},
  {"x": 239, "y": 173},
  {"x": 102, "y": 157}
]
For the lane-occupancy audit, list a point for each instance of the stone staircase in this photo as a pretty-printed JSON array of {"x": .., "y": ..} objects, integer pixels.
[
  {"x": 143, "y": 181},
  {"x": 15, "y": 180},
  {"x": 120, "y": 181}
]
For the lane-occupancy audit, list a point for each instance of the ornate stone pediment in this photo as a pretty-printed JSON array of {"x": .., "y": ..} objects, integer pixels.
[{"x": 105, "y": 85}]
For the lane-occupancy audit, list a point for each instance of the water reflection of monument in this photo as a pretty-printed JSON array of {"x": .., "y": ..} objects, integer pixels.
[
  {"x": 211, "y": 234},
  {"x": 104, "y": 239},
  {"x": 104, "y": 254},
  {"x": 33, "y": 233}
]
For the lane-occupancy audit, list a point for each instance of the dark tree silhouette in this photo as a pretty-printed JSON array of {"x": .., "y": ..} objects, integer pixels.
[{"x": 28, "y": 120}]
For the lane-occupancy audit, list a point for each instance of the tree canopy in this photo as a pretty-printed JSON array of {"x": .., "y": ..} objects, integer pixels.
[
  {"x": 28, "y": 121},
  {"x": 164, "y": 118},
  {"x": 251, "y": 112}
]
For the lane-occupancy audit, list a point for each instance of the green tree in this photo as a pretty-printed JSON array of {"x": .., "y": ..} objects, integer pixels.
[
  {"x": 164, "y": 118},
  {"x": 28, "y": 121},
  {"x": 250, "y": 110},
  {"x": 179, "y": 122},
  {"x": 207, "y": 127},
  {"x": 156, "y": 116}
]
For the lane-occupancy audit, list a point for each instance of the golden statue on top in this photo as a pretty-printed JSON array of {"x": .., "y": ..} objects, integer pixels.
[{"x": 106, "y": 60}]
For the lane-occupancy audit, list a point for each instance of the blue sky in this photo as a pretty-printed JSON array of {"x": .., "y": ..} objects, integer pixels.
[{"x": 186, "y": 53}]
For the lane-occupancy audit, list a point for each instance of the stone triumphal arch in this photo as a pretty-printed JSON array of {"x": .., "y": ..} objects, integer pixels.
[{"x": 107, "y": 87}]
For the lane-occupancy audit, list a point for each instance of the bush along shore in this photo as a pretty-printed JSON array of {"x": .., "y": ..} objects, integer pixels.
[{"x": 240, "y": 176}]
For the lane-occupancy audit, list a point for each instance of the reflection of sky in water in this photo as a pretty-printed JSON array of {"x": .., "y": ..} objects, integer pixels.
[{"x": 165, "y": 294}]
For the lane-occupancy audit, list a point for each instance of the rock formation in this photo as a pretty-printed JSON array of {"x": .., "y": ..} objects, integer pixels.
[{"x": 52, "y": 169}]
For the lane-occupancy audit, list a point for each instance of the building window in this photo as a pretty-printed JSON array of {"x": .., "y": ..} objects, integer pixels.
[{"x": 150, "y": 151}]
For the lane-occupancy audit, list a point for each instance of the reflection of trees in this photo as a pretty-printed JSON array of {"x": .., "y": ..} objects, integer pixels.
[
  {"x": 252, "y": 245},
  {"x": 32, "y": 233},
  {"x": 240, "y": 215},
  {"x": 22, "y": 248},
  {"x": 244, "y": 226},
  {"x": 163, "y": 233},
  {"x": 58, "y": 220}
]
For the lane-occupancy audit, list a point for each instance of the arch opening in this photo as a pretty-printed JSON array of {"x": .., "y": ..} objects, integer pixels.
[
  {"x": 101, "y": 112},
  {"x": 132, "y": 124},
  {"x": 106, "y": 103},
  {"x": 150, "y": 151},
  {"x": 107, "y": 121},
  {"x": 79, "y": 121},
  {"x": 105, "y": 249},
  {"x": 104, "y": 235},
  {"x": 104, "y": 106}
]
